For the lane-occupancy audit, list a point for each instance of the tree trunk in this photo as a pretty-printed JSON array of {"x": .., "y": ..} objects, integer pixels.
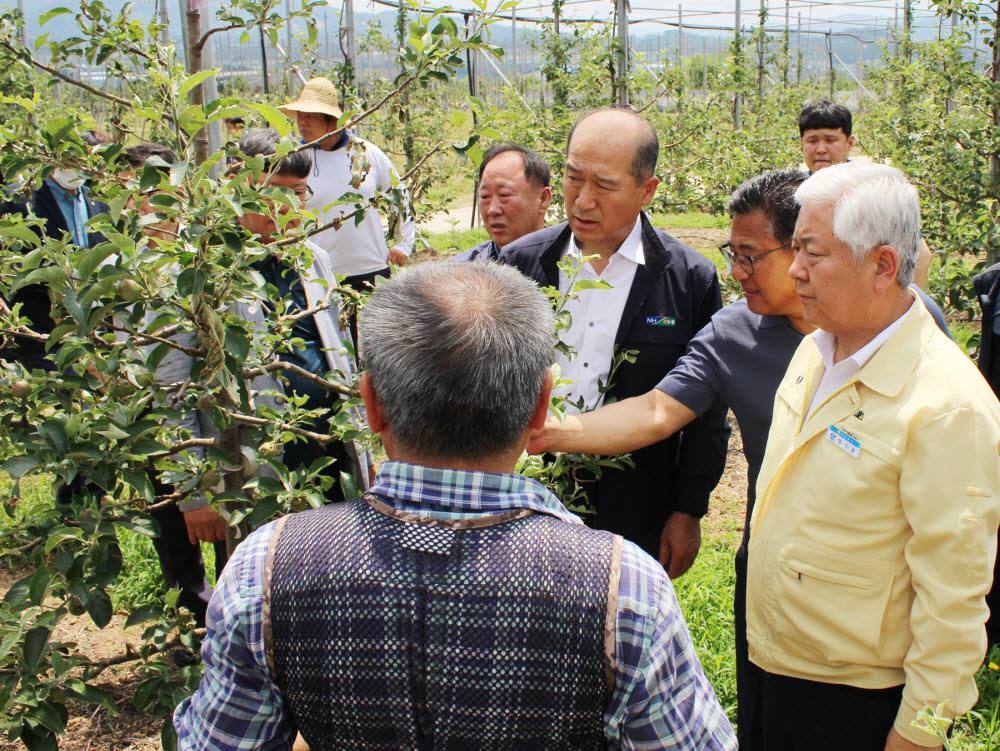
[{"x": 991, "y": 251}]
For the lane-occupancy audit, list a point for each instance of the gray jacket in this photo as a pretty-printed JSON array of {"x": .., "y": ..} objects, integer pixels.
[{"x": 176, "y": 367}]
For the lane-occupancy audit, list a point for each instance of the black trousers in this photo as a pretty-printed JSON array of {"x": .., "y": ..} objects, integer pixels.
[
  {"x": 362, "y": 282},
  {"x": 749, "y": 677},
  {"x": 180, "y": 561},
  {"x": 993, "y": 603},
  {"x": 801, "y": 715}
]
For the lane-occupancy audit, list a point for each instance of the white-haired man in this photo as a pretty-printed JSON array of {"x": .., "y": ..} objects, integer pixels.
[{"x": 874, "y": 534}]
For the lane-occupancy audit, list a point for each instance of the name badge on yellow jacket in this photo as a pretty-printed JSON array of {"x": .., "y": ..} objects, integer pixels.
[{"x": 844, "y": 440}]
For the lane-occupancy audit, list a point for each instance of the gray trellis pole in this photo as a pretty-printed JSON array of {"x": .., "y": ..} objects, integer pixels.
[
  {"x": 991, "y": 251},
  {"x": 704, "y": 64},
  {"x": 798, "y": 52},
  {"x": 738, "y": 99},
  {"x": 164, "y": 19},
  {"x": 949, "y": 104},
  {"x": 288, "y": 47},
  {"x": 24, "y": 23},
  {"x": 786, "y": 49},
  {"x": 907, "y": 22},
  {"x": 622, "y": 8},
  {"x": 263, "y": 61},
  {"x": 352, "y": 49},
  {"x": 975, "y": 44},
  {"x": 829, "y": 52},
  {"x": 895, "y": 26},
  {"x": 513, "y": 45},
  {"x": 680, "y": 39},
  {"x": 760, "y": 52},
  {"x": 184, "y": 32}
]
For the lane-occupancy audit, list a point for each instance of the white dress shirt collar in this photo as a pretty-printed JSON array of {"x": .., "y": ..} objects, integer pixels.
[
  {"x": 631, "y": 247},
  {"x": 836, "y": 375}
]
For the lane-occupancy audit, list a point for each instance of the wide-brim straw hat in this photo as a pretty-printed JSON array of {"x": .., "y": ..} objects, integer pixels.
[{"x": 319, "y": 96}]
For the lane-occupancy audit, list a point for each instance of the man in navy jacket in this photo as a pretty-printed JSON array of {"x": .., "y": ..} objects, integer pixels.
[
  {"x": 62, "y": 202},
  {"x": 662, "y": 293}
]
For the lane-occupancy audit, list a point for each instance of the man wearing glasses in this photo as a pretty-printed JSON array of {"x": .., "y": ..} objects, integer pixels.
[{"x": 737, "y": 360}]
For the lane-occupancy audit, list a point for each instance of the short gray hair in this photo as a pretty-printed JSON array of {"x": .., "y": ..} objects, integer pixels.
[
  {"x": 873, "y": 205},
  {"x": 456, "y": 354}
]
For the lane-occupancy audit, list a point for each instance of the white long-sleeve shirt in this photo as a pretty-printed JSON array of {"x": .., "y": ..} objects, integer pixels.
[
  {"x": 354, "y": 249},
  {"x": 596, "y": 315}
]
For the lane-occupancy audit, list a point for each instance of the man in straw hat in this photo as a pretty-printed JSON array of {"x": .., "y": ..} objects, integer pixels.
[{"x": 357, "y": 249}]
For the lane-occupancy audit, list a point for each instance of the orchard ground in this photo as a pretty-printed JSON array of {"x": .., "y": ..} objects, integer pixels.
[{"x": 705, "y": 592}]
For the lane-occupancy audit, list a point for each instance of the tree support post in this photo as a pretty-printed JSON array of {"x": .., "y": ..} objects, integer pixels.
[
  {"x": 991, "y": 248},
  {"x": 621, "y": 7},
  {"x": 209, "y": 139},
  {"x": 762, "y": 15},
  {"x": 738, "y": 99},
  {"x": 829, "y": 54}
]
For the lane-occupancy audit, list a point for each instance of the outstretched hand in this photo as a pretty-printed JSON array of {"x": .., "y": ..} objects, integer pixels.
[{"x": 539, "y": 441}]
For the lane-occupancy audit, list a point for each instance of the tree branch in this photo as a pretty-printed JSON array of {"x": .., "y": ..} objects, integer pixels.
[
  {"x": 318, "y": 437},
  {"x": 97, "y": 667},
  {"x": 200, "y": 44},
  {"x": 67, "y": 79},
  {"x": 301, "y": 373},
  {"x": 420, "y": 162},
  {"x": 292, "y": 239},
  {"x": 190, "y": 351},
  {"x": 192, "y": 443}
]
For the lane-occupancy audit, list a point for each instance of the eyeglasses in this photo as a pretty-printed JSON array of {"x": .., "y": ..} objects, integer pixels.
[{"x": 744, "y": 262}]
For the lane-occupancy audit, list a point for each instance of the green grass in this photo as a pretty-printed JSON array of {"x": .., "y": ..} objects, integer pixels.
[
  {"x": 689, "y": 219},
  {"x": 980, "y": 729},
  {"x": 456, "y": 241},
  {"x": 449, "y": 243},
  {"x": 705, "y": 594},
  {"x": 140, "y": 582},
  {"x": 966, "y": 334}
]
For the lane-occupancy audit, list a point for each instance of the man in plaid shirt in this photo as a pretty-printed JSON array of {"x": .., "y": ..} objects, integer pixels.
[{"x": 456, "y": 605}]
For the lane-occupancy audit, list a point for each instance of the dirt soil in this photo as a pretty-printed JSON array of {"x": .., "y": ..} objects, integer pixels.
[
  {"x": 131, "y": 730},
  {"x": 95, "y": 728}
]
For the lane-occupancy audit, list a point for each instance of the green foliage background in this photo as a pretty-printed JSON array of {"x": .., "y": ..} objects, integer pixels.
[{"x": 106, "y": 416}]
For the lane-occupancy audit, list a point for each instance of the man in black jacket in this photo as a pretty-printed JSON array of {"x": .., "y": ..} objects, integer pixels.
[
  {"x": 662, "y": 293},
  {"x": 63, "y": 202}
]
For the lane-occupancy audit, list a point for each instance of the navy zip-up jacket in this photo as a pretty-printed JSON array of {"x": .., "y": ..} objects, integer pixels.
[{"x": 675, "y": 284}]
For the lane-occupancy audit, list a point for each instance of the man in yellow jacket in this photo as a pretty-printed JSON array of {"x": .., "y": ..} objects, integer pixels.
[{"x": 874, "y": 534}]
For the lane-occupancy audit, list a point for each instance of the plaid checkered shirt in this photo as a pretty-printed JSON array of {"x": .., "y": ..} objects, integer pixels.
[{"x": 661, "y": 699}]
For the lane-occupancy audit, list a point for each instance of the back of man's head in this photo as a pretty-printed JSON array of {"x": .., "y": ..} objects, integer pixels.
[
  {"x": 536, "y": 169},
  {"x": 825, "y": 114},
  {"x": 873, "y": 205},
  {"x": 774, "y": 194},
  {"x": 457, "y": 354},
  {"x": 264, "y": 142}
]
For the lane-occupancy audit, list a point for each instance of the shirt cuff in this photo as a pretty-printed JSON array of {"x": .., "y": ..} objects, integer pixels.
[
  {"x": 193, "y": 503},
  {"x": 904, "y": 726}
]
